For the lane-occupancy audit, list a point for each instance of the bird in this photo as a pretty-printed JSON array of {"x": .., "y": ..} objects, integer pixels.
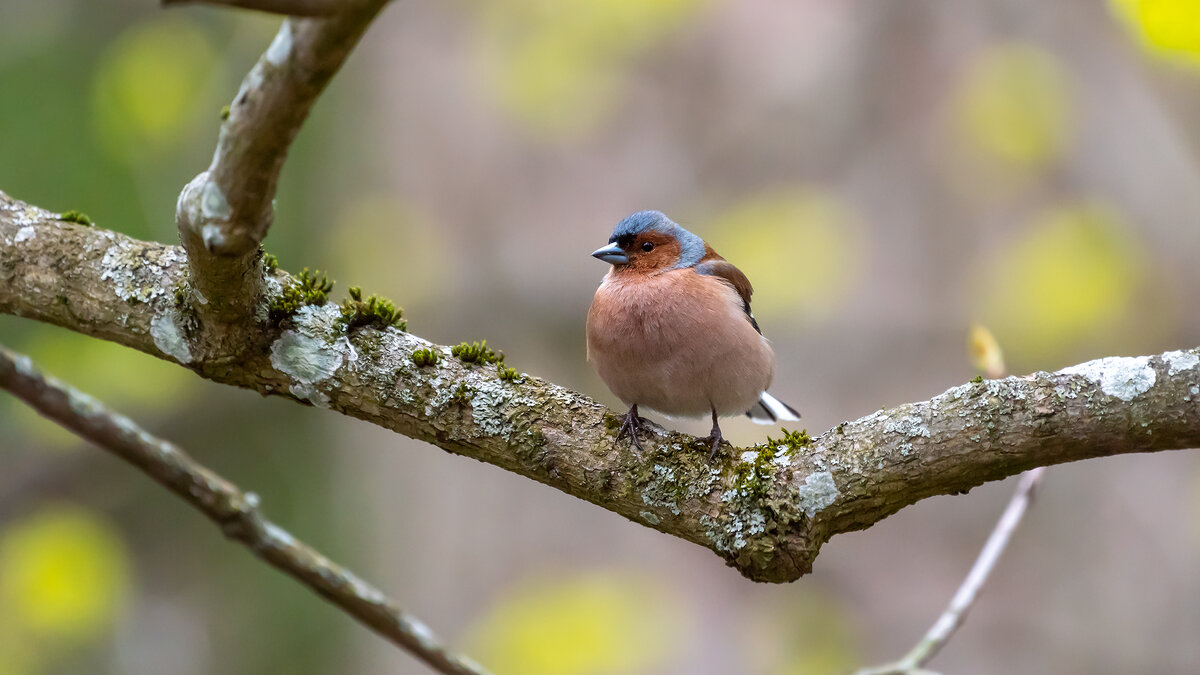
[{"x": 670, "y": 329}]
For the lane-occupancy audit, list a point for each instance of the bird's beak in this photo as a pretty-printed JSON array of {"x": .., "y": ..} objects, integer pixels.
[{"x": 611, "y": 254}]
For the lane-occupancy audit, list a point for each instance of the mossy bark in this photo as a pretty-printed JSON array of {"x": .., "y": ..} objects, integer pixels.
[{"x": 765, "y": 510}]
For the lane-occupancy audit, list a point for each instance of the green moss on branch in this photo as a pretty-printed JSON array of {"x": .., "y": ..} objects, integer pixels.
[
  {"x": 74, "y": 216},
  {"x": 374, "y": 311},
  {"x": 311, "y": 288},
  {"x": 477, "y": 353},
  {"x": 426, "y": 357}
]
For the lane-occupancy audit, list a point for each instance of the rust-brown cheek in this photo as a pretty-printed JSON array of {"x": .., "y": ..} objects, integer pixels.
[{"x": 663, "y": 256}]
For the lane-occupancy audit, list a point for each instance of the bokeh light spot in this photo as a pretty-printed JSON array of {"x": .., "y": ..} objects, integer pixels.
[
  {"x": 801, "y": 249},
  {"x": 1014, "y": 105},
  {"x": 392, "y": 250},
  {"x": 148, "y": 85},
  {"x": 63, "y": 573},
  {"x": 1070, "y": 277},
  {"x": 810, "y": 634},
  {"x": 590, "y": 624},
  {"x": 555, "y": 66},
  {"x": 1166, "y": 28}
]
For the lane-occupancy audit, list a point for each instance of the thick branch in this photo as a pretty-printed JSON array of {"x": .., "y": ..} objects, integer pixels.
[
  {"x": 765, "y": 510},
  {"x": 236, "y": 512},
  {"x": 223, "y": 213},
  {"x": 285, "y": 7}
]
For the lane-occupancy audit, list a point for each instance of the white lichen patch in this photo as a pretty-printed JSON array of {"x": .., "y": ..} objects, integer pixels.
[
  {"x": 138, "y": 271},
  {"x": 731, "y": 535},
  {"x": 661, "y": 490},
  {"x": 304, "y": 358},
  {"x": 490, "y": 400},
  {"x": 909, "y": 426},
  {"x": 754, "y": 523},
  {"x": 281, "y": 46},
  {"x": 212, "y": 236},
  {"x": 213, "y": 204},
  {"x": 781, "y": 458},
  {"x": 25, "y": 234},
  {"x": 321, "y": 322},
  {"x": 1009, "y": 388},
  {"x": 445, "y": 390},
  {"x": 649, "y": 517},
  {"x": 25, "y": 214},
  {"x": 309, "y": 392},
  {"x": 1179, "y": 361},
  {"x": 312, "y": 352},
  {"x": 952, "y": 395},
  {"x": 1124, "y": 377},
  {"x": 816, "y": 493},
  {"x": 168, "y": 337},
  {"x": 318, "y": 321}
]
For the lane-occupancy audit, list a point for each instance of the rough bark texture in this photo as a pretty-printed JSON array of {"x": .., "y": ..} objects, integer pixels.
[
  {"x": 765, "y": 509},
  {"x": 223, "y": 214}
]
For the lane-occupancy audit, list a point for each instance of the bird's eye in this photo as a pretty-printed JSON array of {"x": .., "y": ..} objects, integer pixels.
[{"x": 648, "y": 246}]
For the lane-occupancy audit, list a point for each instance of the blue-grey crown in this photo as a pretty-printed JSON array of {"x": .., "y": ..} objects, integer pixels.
[{"x": 643, "y": 221}]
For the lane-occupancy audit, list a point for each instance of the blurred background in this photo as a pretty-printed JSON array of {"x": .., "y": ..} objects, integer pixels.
[{"x": 885, "y": 172}]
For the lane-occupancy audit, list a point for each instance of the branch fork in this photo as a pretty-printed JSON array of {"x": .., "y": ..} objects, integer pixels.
[{"x": 224, "y": 213}]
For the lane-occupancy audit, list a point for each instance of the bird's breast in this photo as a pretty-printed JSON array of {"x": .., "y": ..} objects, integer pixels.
[{"x": 677, "y": 342}]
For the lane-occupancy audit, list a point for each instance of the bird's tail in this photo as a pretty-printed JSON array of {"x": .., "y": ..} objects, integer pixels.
[{"x": 770, "y": 410}]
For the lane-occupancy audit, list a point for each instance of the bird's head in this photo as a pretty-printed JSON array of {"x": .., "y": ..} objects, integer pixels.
[{"x": 649, "y": 241}]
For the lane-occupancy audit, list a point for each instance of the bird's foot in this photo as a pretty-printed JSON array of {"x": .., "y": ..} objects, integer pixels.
[
  {"x": 713, "y": 440},
  {"x": 631, "y": 425}
]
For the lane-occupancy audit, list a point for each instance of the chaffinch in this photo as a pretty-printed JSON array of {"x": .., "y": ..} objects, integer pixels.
[{"x": 670, "y": 329}]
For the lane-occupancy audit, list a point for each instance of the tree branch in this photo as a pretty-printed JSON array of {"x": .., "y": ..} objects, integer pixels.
[
  {"x": 223, "y": 214},
  {"x": 236, "y": 512},
  {"x": 766, "y": 510},
  {"x": 310, "y": 8}
]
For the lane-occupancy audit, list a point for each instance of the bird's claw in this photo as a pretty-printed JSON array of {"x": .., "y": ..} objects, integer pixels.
[
  {"x": 630, "y": 426},
  {"x": 715, "y": 440}
]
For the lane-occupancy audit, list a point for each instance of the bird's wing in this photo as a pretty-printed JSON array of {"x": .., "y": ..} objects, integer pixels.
[{"x": 725, "y": 270}]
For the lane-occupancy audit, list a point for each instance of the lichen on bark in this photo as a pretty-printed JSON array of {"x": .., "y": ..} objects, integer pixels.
[{"x": 766, "y": 510}]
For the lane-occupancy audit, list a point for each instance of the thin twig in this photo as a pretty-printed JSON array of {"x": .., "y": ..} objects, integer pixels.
[
  {"x": 285, "y": 7},
  {"x": 235, "y": 511},
  {"x": 952, "y": 618}
]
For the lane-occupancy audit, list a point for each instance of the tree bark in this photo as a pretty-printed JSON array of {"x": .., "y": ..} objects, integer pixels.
[{"x": 765, "y": 509}]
